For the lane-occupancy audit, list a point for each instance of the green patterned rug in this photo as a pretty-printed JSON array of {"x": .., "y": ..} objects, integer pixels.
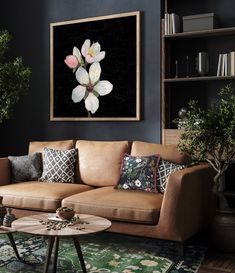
[{"x": 103, "y": 253}]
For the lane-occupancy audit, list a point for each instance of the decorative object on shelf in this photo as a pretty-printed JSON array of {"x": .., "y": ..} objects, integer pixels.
[
  {"x": 182, "y": 113},
  {"x": 14, "y": 79},
  {"x": 3, "y": 210},
  {"x": 202, "y": 63},
  {"x": 176, "y": 69},
  {"x": 8, "y": 218},
  {"x": 65, "y": 213},
  {"x": 199, "y": 22},
  {"x": 187, "y": 66},
  {"x": 87, "y": 54},
  {"x": 209, "y": 135}
]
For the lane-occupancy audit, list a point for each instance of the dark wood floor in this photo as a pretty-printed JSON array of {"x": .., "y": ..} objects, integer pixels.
[{"x": 215, "y": 261}]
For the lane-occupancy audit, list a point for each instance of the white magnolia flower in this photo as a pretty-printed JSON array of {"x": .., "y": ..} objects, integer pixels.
[
  {"x": 90, "y": 87},
  {"x": 92, "y": 52}
]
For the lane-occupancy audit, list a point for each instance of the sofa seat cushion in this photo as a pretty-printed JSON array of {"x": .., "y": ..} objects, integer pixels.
[
  {"x": 36, "y": 195},
  {"x": 119, "y": 205}
]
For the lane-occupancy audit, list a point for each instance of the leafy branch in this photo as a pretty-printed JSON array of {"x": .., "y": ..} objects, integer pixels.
[{"x": 14, "y": 79}]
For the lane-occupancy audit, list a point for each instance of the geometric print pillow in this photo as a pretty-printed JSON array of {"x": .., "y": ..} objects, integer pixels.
[
  {"x": 165, "y": 168},
  {"x": 138, "y": 173},
  {"x": 58, "y": 166}
]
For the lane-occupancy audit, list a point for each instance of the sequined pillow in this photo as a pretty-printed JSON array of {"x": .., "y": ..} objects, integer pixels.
[
  {"x": 138, "y": 173},
  {"x": 26, "y": 167},
  {"x": 59, "y": 166},
  {"x": 165, "y": 168}
]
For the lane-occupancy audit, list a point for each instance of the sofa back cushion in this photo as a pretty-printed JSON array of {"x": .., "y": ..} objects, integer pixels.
[
  {"x": 167, "y": 152},
  {"x": 99, "y": 162},
  {"x": 38, "y": 146}
]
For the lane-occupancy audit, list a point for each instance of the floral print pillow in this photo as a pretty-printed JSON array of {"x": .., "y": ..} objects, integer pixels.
[{"x": 138, "y": 173}]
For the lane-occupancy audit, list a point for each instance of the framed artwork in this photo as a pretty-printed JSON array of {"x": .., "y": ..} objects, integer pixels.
[{"x": 95, "y": 69}]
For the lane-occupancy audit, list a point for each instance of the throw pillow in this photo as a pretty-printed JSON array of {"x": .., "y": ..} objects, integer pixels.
[
  {"x": 138, "y": 173},
  {"x": 58, "y": 165},
  {"x": 26, "y": 167},
  {"x": 165, "y": 168}
]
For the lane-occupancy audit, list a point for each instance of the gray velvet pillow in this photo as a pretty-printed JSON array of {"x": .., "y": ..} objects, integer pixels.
[{"x": 26, "y": 167}]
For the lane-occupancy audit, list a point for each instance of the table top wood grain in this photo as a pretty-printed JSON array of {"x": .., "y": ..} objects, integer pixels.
[{"x": 87, "y": 224}]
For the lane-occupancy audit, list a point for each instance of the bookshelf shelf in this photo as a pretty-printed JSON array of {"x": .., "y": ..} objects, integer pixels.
[
  {"x": 203, "y": 33},
  {"x": 192, "y": 79}
]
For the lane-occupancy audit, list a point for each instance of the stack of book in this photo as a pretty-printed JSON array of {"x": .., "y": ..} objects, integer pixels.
[
  {"x": 172, "y": 23},
  {"x": 226, "y": 64}
]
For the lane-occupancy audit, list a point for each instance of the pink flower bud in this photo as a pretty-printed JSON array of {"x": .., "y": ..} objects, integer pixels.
[{"x": 71, "y": 61}]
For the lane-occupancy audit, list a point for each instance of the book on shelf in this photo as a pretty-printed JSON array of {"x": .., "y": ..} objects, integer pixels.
[
  {"x": 226, "y": 64},
  {"x": 232, "y": 62},
  {"x": 219, "y": 65},
  {"x": 172, "y": 23}
]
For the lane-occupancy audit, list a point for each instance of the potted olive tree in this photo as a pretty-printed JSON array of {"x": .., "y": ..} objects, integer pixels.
[
  {"x": 209, "y": 135},
  {"x": 14, "y": 78}
]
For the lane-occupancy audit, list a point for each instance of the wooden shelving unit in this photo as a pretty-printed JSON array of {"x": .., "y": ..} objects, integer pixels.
[{"x": 177, "y": 46}]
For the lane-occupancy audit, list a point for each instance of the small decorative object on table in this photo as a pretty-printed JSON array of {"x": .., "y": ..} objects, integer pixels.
[
  {"x": 65, "y": 213},
  {"x": 3, "y": 210},
  {"x": 8, "y": 218}
]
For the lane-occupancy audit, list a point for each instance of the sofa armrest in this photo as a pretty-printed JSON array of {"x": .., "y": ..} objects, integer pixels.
[
  {"x": 188, "y": 203},
  {"x": 5, "y": 171}
]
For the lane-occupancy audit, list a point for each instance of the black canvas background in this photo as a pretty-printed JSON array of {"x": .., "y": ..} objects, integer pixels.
[{"x": 117, "y": 37}]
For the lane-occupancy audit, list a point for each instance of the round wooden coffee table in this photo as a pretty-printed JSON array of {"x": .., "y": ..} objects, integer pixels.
[
  {"x": 87, "y": 224},
  {"x": 8, "y": 231}
]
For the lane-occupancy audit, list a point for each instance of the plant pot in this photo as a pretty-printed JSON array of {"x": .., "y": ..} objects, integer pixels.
[{"x": 223, "y": 231}]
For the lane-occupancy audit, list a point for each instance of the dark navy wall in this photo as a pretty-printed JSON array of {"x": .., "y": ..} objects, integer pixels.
[{"x": 28, "y": 21}]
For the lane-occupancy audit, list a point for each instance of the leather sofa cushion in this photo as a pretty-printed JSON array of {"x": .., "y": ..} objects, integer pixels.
[
  {"x": 99, "y": 162},
  {"x": 36, "y": 195},
  {"x": 167, "y": 152},
  {"x": 38, "y": 146},
  {"x": 119, "y": 205}
]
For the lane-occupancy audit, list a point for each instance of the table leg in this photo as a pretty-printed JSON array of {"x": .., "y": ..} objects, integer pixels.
[
  {"x": 56, "y": 254},
  {"x": 79, "y": 252},
  {"x": 51, "y": 240},
  {"x": 11, "y": 239}
]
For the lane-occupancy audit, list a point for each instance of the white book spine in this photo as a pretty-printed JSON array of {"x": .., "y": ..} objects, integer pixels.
[
  {"x": 166, "y": 23},
  {"x": 232, "y": 60}
]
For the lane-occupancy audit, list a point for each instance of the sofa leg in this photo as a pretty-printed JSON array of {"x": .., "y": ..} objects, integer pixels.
[{"x": 180, "y": 249}]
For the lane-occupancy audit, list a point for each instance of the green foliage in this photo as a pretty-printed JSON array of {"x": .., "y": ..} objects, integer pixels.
[
  {"x": 210, "y": 134},
  {"x": 14, "y": 79}
]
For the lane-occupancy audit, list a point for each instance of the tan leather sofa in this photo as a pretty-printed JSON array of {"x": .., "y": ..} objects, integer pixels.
[{"x": 184, "y": 209}]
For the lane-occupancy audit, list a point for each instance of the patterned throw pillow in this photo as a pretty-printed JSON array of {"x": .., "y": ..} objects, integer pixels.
[
  {"x": 138, "y": 173},
  {"x": 58, "y": 166},
  {"x": 165, "y": 168},
  {"x": 26, "y": 167}
]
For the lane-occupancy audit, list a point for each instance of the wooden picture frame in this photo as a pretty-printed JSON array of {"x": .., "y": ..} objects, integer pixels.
[{"x": 107, "y": 44}]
